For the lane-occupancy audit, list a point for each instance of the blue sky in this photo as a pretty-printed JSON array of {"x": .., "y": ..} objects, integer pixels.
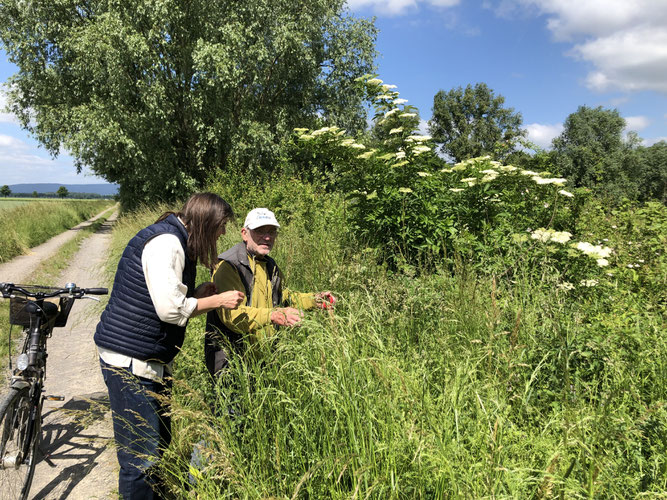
[{"x": 546, "y": 57}]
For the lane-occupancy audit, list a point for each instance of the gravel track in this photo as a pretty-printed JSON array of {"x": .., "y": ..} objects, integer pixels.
[{"x": 78, "y": 458}]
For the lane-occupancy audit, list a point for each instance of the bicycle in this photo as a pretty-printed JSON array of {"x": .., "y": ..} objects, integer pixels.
[{"x": 21, "y": 405}]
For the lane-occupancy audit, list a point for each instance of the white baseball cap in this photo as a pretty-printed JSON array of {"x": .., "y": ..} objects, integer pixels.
[{"x": 259, "y": 217}]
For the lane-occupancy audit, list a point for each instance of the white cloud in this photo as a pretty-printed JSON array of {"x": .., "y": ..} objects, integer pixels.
[
  {"x": 542, "y": 134},
  {"x": 398, "y": 7},
  {"x": 654, "y": 140},
  {"x": 4, "y": 116},
  {"x": 636, "y": 123},
  {"x": 624, "y": 40}
]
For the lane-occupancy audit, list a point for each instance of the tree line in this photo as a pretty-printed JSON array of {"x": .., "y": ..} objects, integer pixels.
[{"x": 157, "y": 97}]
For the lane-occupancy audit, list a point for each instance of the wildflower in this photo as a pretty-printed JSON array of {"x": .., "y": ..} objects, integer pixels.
[
  {"x": 588, "y": 283},
  {"x": 594, "y": 251},
  {"x": 404, "y": 190},
  {"x": 545, "y": 180},
  {"x": 423, "y": 174},
  {"x": 456, "y": 190},
  {"x": 541, "y": 234},
  {"x": 400, "y": 101},
  {"x": 397, "y": 130},
  {"x": 561, "y": 236},
  {"x": 565, "y": 286},
  {"x": 419, "y": 138},
  {"x": 400, "y": 154},
  {"x": 374, "y": 81},
  {"x": 602, "y": 262},
  {"x": 321, "y": 131},
  {"x": 565, "y": 193},
  {"x": 407, "y": 115},
  {"x": 529, "y": 172}
]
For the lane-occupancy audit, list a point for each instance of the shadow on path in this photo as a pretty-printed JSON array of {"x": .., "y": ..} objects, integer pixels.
[{"x": 68, "y": 436}]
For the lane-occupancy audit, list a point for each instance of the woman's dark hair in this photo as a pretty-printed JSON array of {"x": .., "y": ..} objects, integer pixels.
[{"x": 203, "y": 215}]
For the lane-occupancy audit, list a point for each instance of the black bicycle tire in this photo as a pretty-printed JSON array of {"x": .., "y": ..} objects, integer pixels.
[{"x": 11, "y": 399}]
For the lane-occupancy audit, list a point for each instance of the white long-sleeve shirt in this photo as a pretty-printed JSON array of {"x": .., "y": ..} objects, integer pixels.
[{"x": 163, "y": 261}]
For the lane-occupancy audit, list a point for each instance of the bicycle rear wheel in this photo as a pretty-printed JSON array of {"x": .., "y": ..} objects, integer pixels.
[{"x": 19, "y": 435}]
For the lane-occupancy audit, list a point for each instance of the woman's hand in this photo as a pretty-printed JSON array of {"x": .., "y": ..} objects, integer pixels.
[
  {"x": 231, "y": 299},
  {"x": 227, "y": 300}
]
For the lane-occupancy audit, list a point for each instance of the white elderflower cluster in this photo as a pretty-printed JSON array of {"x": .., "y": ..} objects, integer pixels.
[{"x": 546, "y": 235}]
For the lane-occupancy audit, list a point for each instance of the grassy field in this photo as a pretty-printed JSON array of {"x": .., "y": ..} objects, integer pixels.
[
  {"x": 8, "y": 203},
  {"x": 29, "y": 224},
  {"x": 453, "y": 384}
]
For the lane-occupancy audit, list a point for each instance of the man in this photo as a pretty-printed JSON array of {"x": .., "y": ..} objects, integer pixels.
[{"x": 247, "y": 267}]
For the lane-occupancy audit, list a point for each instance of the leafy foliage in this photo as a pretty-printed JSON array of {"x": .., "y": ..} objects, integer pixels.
[
  {"x": 155, "y": 95},
  {"x": 473, "y": 122}
]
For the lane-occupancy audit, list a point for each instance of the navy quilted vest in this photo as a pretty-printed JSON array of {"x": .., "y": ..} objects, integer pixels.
[{"x": 129, "y": 324}]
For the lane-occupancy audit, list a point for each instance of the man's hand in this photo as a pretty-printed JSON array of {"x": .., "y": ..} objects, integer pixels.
[
  {"x": 205, "y": 290},
  {"x": 287, "y": 316},
  {"x": 325, "y": 300}
]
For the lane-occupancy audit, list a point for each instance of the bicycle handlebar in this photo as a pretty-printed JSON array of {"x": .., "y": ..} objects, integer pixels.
[{"x": 46, "y": 292}]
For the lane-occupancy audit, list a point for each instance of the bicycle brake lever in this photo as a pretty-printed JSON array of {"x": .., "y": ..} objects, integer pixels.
[{"x": 89, "y": 297}]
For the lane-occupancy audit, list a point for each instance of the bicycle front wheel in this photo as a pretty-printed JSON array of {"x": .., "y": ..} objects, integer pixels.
[{"x": 19, "y": 434}]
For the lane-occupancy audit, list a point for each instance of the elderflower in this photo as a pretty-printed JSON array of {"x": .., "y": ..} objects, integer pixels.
[
  {"x": 595, "y": 251},
  {"x": 321, "y": 131},
  {"x": 385, "y": 97},
  {"x": 565, "y": 193},
  {"x": 404, "y": 190},
  {"x": 565, "y": 285},
  {"x": 418, "y": 138},
  {"x": 397, "y": 130},
  {"x": 529, "y": 173},
  {"x": 545, "y": 180},
  {"x": 357, "y": 146},
  {"x": 407, "y": 115},
  {"x": 391, "y": 112},
  {"x": 456, "y": 190},
  {"x": 375, "y": 81},
  {"x": 423, "y": 174},
  {"x": 347, "y": 142},
  {"x": 507, "y": 168},
  {"x": 588, "y": 283},
  {"x": 366, "y": 155},
  {"x": 602, "y": 262},
  {"x": 469, "y": 179},
  {"x": 400, "y": 101},
  {"x": 400, "y": 154},
  {"x": 386, "y": 87}
]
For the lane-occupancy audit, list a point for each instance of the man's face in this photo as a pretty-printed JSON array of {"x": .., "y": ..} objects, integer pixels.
[{"x": 259, "y": 241}]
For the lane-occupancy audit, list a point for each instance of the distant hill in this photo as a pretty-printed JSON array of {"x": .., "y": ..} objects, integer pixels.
[{"x": 100, "y": 189}]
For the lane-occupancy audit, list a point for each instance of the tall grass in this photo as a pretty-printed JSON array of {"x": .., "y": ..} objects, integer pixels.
[
  {"x": 31, "y": 224},
  {"x": 454, "y": 384}
]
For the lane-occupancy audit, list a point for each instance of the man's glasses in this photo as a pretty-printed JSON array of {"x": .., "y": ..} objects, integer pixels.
[{"x": 266, "y": 231}]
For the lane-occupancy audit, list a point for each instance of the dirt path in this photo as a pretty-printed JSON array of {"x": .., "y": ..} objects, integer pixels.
[
  {"x": 79, "y": 459},
  {"x": 19, "y": 268}
]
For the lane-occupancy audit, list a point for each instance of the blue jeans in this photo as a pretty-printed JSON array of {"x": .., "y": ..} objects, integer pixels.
[{"x": 142, "y": 429}]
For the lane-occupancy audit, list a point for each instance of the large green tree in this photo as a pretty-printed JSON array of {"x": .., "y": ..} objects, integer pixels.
[
  {"x": 588, "y": 151},
  {"x": 473, "y": 122},
  {"x": 154, "y": 95}
]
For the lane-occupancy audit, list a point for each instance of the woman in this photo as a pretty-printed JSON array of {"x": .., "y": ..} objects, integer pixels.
[{"x": 143, "y": 327}]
